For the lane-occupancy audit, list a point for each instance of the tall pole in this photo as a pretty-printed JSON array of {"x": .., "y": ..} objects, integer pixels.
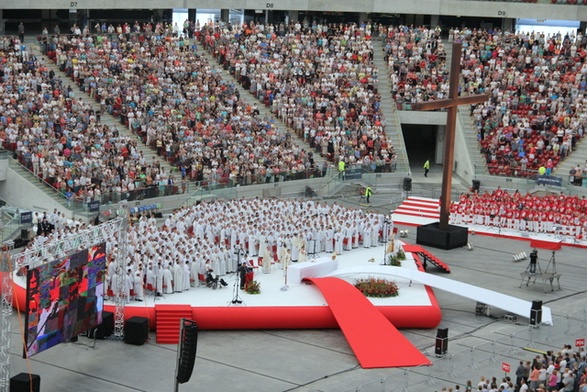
[{"x": 5, "y": 320}]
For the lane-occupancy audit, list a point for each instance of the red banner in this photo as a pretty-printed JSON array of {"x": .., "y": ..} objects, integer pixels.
[
  {"x": 580, "y": 342},
  {"x": 505, "y": 367},
  {"x": 547, "y": 245}
]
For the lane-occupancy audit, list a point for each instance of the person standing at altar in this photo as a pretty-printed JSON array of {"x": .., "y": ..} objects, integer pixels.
[
  {"x": 348, "y": 237},
  {"x": 296, "y": 244},
  {"x": 339, "y": 241},
  {"x": 303, "y": 255}
]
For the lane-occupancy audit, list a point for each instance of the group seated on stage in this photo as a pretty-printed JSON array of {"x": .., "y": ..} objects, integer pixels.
[
  {"x": 320, "y": 80},
  {"x": 556, "y": 214}
]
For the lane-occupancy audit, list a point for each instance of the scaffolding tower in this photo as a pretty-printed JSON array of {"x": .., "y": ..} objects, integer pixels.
[{"x": 35, "y": 257}]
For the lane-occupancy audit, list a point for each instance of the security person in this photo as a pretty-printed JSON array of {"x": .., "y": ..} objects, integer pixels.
[
  {"x": 341, "y": 169},
  {"x": 368, "y": 192},
  {"x": 426, "y": 167}
]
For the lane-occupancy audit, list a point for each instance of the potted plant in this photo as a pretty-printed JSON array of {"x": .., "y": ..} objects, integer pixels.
[
  {"x": 377, "y": 287},
  {"x": 253, "y": 287}
]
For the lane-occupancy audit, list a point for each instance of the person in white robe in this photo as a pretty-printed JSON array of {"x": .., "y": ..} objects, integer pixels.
[
  {"x": 177, "y": 277},
  {"x": 167, "y": 280},
  {"x": 186, "y": 275},
  {"x": 338, "y": 241},
  {"x": 329, "y": 240},
  {"x": 138, "y": 287},
  {"x": 367, "y": 236},
  {"x": 150, "y": 280}
]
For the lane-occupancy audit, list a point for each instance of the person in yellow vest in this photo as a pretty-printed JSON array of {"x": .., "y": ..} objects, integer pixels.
[
  {"x": 426, "y": 167},
  {"x": 341, "y": 169},
  {"x": 368, "y": 192}
]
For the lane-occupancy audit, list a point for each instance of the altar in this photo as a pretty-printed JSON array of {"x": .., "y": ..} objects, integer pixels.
[{"x": 296, "y": 272}]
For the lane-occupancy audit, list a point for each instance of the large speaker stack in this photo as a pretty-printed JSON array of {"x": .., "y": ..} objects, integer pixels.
[
  {"x": 136, "y": 331},
  {"x": 536, "y": 313},
  {"x": 187, "y": 353},
  {"x": 441, "y": 345}
]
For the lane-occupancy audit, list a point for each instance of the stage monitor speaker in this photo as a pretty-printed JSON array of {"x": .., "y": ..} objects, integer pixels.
[
  {"x": 407, "y": 184},
  {"x": 536, "y": 304},
  {"x": 476, "y": 185},
  {"x": 24, "y": 382},
  {"x": 535, "y": 316},
  {"x": 442, "y": 333},
  {"x": 136, "y": 330}
]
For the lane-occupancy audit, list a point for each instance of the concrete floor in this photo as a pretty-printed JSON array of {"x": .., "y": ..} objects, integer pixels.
[{"x": 321, "y": 360}]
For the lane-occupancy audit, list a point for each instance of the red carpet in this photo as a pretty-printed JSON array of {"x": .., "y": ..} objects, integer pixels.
[
  {"x": 374, "y": 340},
  {"x": 168, "y": 322}
]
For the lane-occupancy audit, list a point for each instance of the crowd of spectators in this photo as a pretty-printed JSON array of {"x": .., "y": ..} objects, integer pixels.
[
  {"x": 178, "y": 103},
  {"x": 59, "y": 137},
  {"x": 536, "y": 111},
  {"x": 557, "y": 214},
  {"x": 319, "y": 79},
  {"x": 417, "y": 64}
]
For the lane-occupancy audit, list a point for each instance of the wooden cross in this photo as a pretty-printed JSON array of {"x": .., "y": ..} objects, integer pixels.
[{"x": 451, "y": 103}]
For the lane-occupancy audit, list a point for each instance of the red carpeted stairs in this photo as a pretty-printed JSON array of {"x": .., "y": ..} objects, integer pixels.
[
  {"x": 374, "y": 340},
  {"x": 426, "y": 257},
  {"x": 167, "y": 319},
  {"x": 420, "y": 207}
]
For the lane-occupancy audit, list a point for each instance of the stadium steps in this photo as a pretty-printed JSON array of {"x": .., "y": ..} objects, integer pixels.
[
  {"x": 168, "y": 322},
  {"x": 420, "y": 207},
  {"x": 426, "y": 257},
  {"x": 393, "y": 127},
  {"x": 465, "y": 123},
  {"x": 264, "y": 110},
  {"x": 577, "y": 157},
  {"x": 25, "y": 173},
  {"x": 106, "y": 119}
]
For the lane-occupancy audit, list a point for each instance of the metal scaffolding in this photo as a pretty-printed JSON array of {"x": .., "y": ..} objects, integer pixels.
[
  {"x": 35, "y": 257},
  {"x": 119, "y": 297},
  {"x": 5, "y": 320}
]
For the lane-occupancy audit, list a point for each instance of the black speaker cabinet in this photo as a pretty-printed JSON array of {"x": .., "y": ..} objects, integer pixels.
[
  {"x": 407, "y": 184},
  {"x": 24, "y": 382},
  {"x": 136, "y": 330},
  {"x": 536, "y": 305},
  {"x": 441, "y": 346},
  {"x": 476, "y": 185},
  {"x": 105, "y": 329},
  {"x": 442, "y": 333},
  {"x": 535, "y": 316}
]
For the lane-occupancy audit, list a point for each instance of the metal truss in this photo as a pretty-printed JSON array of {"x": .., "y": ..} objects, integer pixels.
[
  {"x": 5, "y": 320},
  {"x": 119, "y": 296},
  {"x": 36, "y": 257},
  {"x": 40, "y": 255}
]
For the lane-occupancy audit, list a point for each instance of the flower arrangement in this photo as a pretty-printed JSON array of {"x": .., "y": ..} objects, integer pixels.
[
  {"x": 253, "y": 287},
  {"x": 401, "y": 255},
  {"x": 377, "y": 287},
  {"x": 394, "y": 260}
]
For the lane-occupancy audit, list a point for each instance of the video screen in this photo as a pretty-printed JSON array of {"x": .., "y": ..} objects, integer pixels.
[{"x": 64, "y": 298}]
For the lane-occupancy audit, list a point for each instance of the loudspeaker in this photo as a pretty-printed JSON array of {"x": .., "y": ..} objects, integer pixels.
[
  {"x": 442, "y": 333},
  {"x": 535, "y": 316},
  {"x": 476, "y": 185},
  {"x": 441, "y": 346},
  {"x": 24, "y": 382},
  {"x": 536, "y": 304},
  {"x": 136, "y": 330},
  {"x": 407, "y": 184},
  {"x": 187, "y": 357},
  {"x": 105, "y": 329}
]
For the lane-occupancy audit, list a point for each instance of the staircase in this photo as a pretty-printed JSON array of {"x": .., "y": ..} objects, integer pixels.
[
  {"x": 421, "y": 207},
  {"x": 167, "y": 318},
  {"x": 467, "y": 126},
  {"x": 577, "y": 157},
  {"x": 427, "y": 257},
  {"x": 264, "y": 111},
  {"x": 106, "y": 119},
  {"x": 393, "y": 127}
]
